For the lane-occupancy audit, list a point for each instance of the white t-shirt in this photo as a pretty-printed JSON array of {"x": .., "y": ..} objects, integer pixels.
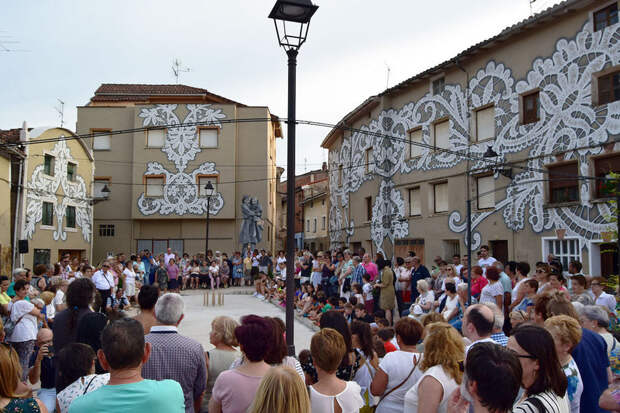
[
  {"x": 350, "y": 400},
  {"x": 214, "y": 270},
  {"x": 608, "y": 301},
  {"x": 59, "y": 298},
  {"x": 515, "y": 290},
  {"x": 367, "y": 290},
  {"x": 490, "y": 291},
  {"x": 446, "y": 381},
  {"x": 451, "y": 304},
  {"x": 458, "y": 269},
  {"x": 168, "y": 257},
  {"x": 283, "y": 273},
  {"x": 397, "y": 366},
  {"x": 281, "y": 259},
  {"x": 130, "y": 276},
  {"x": 427, "y": 297},
  {"x": 26, "y": 329},
  {"x": 486, "y": 262}
]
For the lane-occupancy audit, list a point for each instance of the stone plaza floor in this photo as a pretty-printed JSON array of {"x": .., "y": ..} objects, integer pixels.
[{"x": 237, "y": 303}]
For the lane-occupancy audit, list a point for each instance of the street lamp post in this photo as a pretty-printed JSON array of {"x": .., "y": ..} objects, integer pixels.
[
  {"x": 209, "y": 190},
  {"x": 292, "y": 20}
]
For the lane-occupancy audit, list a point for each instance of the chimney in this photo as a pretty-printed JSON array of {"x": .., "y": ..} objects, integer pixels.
[{"x": 324, "y": 167}]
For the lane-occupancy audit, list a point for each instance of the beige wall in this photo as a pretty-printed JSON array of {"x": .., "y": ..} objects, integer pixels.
[
  {"x": 517, "y": 54},
  {"x": 244, "y": 160},
  {"x": 44, "y": 237},
  {"x": 5, "y": 215}
]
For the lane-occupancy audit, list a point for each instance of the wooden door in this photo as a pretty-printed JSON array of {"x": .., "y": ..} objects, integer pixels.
[
  {"x": 499, "y": 250},
  {"x": 403, "y": 246},
  {"x": 609, "y": 259}
]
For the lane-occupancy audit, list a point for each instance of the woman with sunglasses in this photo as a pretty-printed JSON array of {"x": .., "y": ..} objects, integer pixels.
[
  {"x": 542, "y": 276},
  {"x": 543, "y": 378}
]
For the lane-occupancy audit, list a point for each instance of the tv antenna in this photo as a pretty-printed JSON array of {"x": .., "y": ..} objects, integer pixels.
[
  {"x": 387, "y": 80},
  {"x": 177, "y": 69},
  {"x": 61, "y": 112}
]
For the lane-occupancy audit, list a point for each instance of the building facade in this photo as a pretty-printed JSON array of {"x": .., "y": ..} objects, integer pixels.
[
  {"x": 157, "y": 171},
  {"x": 314, "y": 205},
  {"x": 543, "y": 95},
  {"x": 55, "y": 211}
]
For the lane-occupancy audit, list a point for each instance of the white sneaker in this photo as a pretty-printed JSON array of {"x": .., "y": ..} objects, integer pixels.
[
  {"x": 260, "y": 297},
  {"x": 255, "y": 294}
]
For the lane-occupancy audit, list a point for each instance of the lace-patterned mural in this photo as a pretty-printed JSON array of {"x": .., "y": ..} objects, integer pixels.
[
  {"x": 568, "y": 122},
  {"x": 42, "y": 187},
  {"x": 181, "y": 145}
]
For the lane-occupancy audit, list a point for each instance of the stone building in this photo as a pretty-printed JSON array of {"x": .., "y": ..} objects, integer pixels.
[
  {"x": 157, "y": 171},
  {"x": 523, "y": 124}
]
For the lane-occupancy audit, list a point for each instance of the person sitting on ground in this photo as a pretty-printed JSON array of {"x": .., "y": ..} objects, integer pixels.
[
  {"x": 123, "y": 353},
  {"x": 277, "y": 382},
  {"x": 234, "y": 390},
  {"x": 441, "y": 370},
  {"x": 566, "y": 333},
  {"x": 481, "y": 392},
  {"x": 147, "y": 297},
  {"x": 174, "y": 356},
  {"x": 330, "y": 393},
  {"x": 77, "y": 374},
  {"x": 543, "y": 379}
]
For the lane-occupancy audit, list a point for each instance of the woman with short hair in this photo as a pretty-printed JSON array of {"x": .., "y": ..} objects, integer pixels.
[
  {"x": 566, "y": 333},
  {"x": 493, "y": 292},
  {"x": 424, "y": 303},
  {"x": 543, "y": 379},
  {"x": 277, "y": 382},
  {"x": 398, "y": 370},
  {"x": 220, "y": 358},
  {"x": 595, "y": 318},
  {"x": 234, "y": 390},
  {"x": 445, "y": 351}
]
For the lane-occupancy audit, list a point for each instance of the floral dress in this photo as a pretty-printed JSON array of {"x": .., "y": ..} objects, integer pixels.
[
  {"x": 22, "y": 406},
  {"x": 575, "y": 384}
]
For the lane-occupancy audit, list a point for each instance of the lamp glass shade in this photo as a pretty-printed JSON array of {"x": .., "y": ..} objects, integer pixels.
[
  {"x": 105, "y": 191},
  {"x": 209, "y": 189},
  {"x": 298, "y": 11}
]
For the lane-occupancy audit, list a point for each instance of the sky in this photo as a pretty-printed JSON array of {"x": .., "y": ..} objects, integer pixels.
[{"x": 66, "y": 49}]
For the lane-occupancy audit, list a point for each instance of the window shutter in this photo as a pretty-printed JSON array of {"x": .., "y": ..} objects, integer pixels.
[
  {"x": 441, "y": 197},
  {"x": 208, "y": 138},
  {"x": 156, "y": 138},
  {"x": 415, "y": 204},
  {"x": 101, "y": 143},
  {"x": 415, "y": 137},
  {"x": 442, "y": 135},
  {"x": 562, "y": 187},
  {"x": 485, "y": 123},
  {"x": 486, "y": 196},
  {"x": 154, "y": 186}
]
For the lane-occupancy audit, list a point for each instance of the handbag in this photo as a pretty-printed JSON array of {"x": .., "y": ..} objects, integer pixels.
[{"x": 9, "y": 327}]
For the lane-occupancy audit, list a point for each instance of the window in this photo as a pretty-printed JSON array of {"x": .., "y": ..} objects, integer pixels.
[
  {"x": 48, "y": 214},
  {"x": 565, "y": 250},
  {"x": 101, "y": 142},
  {"x": 154, "y": 186},
  {"x": 159, "y": 246},
  {"x": 41, "y": 256},
  {"x": 439, "y": 85},
  {"x": 71, "y": 167},
  {"x": 323, "y": 202},
  {"x": 314, "y": 226},
  {"x": 202, "y": 182},
  {"x": 48, "y": 165},
  {"x": 606, "y": 17},
  {"x": 602, "y": 168},
  {"x": 415, "y": 138},
  {"x": 486, "y": 192},
  {"x": 531, "y": 108},
  {"x": 368, "y": 208},
  {"x": 609, "y": 88},
  {"x": 155, "y": 138},
  {"x": 70, "y": 216},
  {"x": 415, "y": 205},
  {"x": 442, "y": 135},
  {"x": 440, "y": 197},
  {"x": 563, "y": 183},
  {"x": 340, "y": 175},
  {"x": 485, "y": 123},
  {"x": 208, "y": 137},
  {"x": 106, "y": 230},
  {"x": 100, "y": 183},
  {"x": 323, "y": 222},
  {"x": 307, "y": 225},
  {"x": 369, "y": 160}
]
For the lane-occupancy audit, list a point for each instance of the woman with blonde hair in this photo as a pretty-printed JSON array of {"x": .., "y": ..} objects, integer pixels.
[
  {"x": 10, "y": 398},
  {"x": 444, "y": 351},
  {"x": 219, "y": 359},
  {"x": 277, "y": 382}
]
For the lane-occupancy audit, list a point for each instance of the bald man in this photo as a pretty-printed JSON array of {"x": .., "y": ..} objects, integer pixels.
[
  {"x": 478, "y": 325},
  {"x": 42, "y": 368}
]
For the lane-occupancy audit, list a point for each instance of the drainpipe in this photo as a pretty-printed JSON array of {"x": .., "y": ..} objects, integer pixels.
[{"x": 17, "y": 222}]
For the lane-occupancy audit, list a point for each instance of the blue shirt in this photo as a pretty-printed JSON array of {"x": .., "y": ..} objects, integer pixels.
[
  {"x": 146, "y": 396},
  {"x": 357, "y": 275},
  {"x": 591, "y": 358}
]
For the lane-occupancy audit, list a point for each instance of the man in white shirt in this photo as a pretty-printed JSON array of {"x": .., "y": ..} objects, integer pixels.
[
  {"x": 168, "y": 255},
  {"x": 601, "y": 298},
  {"x": 477, "y": 325},
  {"x": 485, "y": 259},
  {"x": 456, "y": 260},
  {"x": 104, "y": 283}
]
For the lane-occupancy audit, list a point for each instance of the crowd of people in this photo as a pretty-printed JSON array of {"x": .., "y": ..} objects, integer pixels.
[{"x": 393, "y": 336}]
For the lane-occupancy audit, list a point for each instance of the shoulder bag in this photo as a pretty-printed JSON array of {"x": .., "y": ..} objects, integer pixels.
[
  {"x": 9, "y": 327},
  {"x": 415, "y": 364}
]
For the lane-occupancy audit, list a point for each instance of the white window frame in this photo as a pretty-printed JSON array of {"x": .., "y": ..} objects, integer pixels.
[
  {"x": 66, "y": 226},
  {"x": 52, "y": 201},
  {"x": 546, "y": 250},
  {"x": 53, "y": 170}
]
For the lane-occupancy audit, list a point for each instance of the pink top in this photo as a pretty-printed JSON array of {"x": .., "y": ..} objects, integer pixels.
[
  {"x": 173, "y": 272},
  {"x": 235, "y": 391},
  {"x": 371, "y": 269}
]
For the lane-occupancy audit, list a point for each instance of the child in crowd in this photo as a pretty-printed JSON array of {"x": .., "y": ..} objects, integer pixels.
[
  {"x": 362, "y": 315},
  {"x": 358, "y": 293},
  {"x": 386, "y": 335},
  {"x": 367, "y": 293},
  {"x": 348, "y": 313}
]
